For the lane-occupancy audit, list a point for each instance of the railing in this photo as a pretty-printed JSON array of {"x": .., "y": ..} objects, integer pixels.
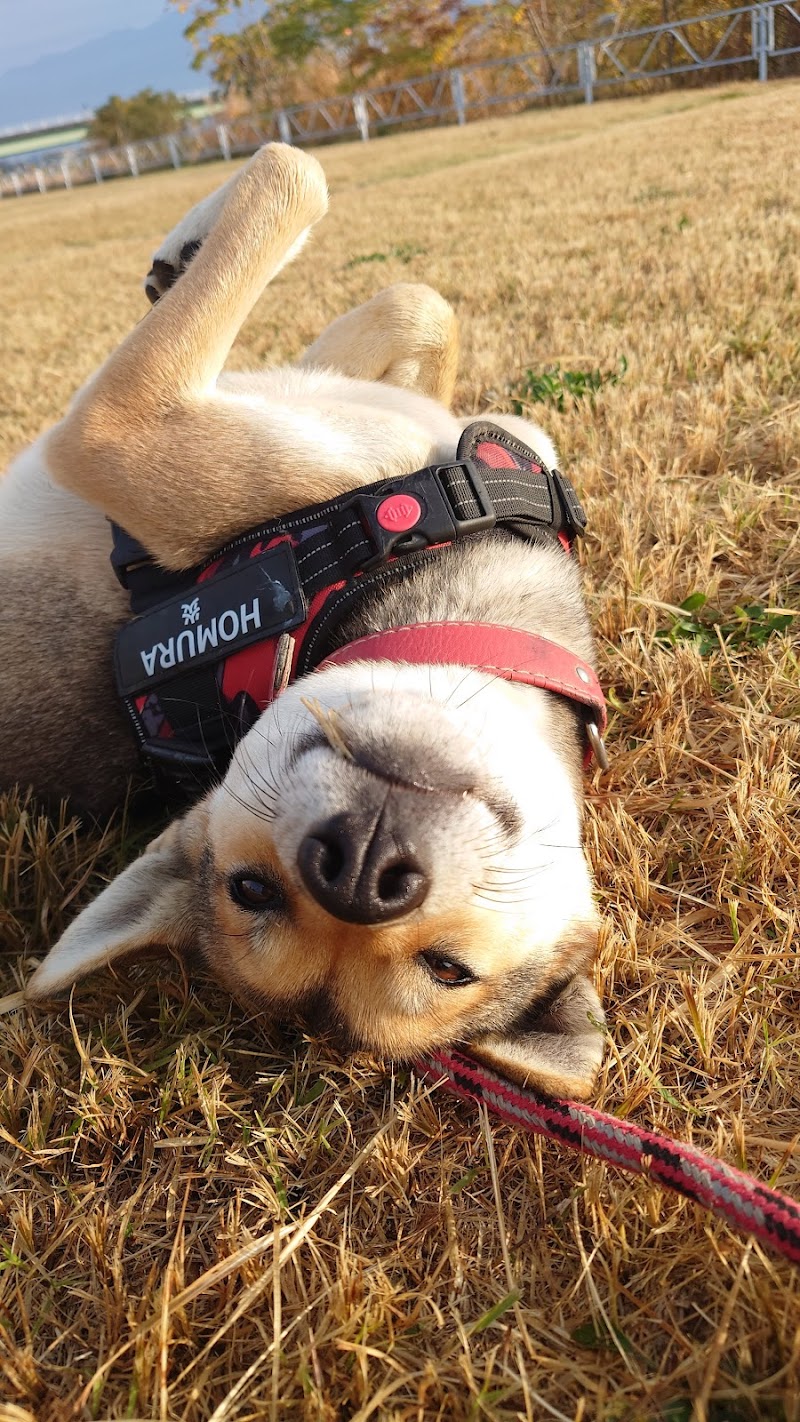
[
  {"x": 24, "y": 130},
  {"x": 748, "y": 39}
]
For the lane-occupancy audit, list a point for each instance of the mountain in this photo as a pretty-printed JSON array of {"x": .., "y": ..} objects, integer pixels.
[
  {"x": 49, "y": 26},
  {"x": 81, "y": 78}
]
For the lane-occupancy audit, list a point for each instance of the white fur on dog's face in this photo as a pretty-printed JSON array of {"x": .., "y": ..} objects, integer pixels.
[
  {"x": 469, "y": 774},
  {"x": 510, "y": 896}
]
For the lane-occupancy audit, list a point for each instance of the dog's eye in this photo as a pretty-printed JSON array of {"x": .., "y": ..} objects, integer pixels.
[
  {"x": 252, "y": 892},
  {"x": 447, "y": 971}
]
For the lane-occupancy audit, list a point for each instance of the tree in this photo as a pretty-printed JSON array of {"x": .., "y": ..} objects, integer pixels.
[
  {"x": 244, "y": 63},
  {"x": 295, "y": 43},
  {"x": 310, "y": 49},
  {"x": 145, "y": 115},
  {"x": 404, "y": 38}
]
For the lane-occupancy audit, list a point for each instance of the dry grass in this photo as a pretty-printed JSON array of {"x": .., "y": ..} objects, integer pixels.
[{"x": 200, "y": 1221}]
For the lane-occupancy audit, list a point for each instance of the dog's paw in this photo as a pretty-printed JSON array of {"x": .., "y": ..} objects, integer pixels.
[
  {"x": 184, "y": 242},
  {"x": 163, "y": 274},
  {"x": 296, "y": 180}
]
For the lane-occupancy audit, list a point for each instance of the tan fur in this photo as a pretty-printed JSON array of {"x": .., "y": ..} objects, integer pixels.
[
  {"x": 183, "y": 457},
  {"x": 61, "y": 732},
  {"x": 406, "y": 335},
  {"x": 210, "y": 450}
]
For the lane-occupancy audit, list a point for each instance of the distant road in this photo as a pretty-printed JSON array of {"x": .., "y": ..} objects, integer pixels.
[{"x": 22, "y": 139}]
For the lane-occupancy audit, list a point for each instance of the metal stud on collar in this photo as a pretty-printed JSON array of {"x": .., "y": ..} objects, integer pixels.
[{"x": 598, "y": 745}]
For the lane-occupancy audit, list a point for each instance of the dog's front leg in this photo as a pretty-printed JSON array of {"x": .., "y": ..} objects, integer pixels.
[{"x": 151, "y": 440}]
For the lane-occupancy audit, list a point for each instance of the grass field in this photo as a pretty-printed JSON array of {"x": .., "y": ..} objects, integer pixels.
[{"x": 201, "y": 1219}]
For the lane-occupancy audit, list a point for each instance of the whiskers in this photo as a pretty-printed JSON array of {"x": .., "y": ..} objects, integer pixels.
[
  {"x": 265, "y": 781},
  {"x": 514, "y": 885},
  {"x": 513, "y": 891}
]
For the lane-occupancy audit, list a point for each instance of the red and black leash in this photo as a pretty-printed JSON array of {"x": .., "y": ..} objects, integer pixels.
[{"x": 773, "y": 1218}]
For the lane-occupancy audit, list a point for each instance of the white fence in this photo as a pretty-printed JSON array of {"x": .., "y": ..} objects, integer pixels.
[{"x": 750, "y": 39}]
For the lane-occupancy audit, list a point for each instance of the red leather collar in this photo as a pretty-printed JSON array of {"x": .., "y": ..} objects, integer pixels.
[{"x": 507, "y": 652}]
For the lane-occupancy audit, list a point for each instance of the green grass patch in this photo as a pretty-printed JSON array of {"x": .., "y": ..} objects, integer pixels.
[
  {"x": 695, "y": 620},
  {"x": 403, "y": 252},
  {"x": 597, "y": 1336},
  {"x": 493, "y": 1314},
  {"x": 559, "y": 388}
]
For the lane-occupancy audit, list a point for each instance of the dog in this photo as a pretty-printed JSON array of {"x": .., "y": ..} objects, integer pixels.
[{"x": 393, "y": 856}]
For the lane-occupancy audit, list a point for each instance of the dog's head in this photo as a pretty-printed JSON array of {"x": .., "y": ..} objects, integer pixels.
[{"x": 394, "y": 858}]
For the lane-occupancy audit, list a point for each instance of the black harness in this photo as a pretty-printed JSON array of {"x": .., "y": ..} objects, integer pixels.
[{"x": 209, "y": 648}]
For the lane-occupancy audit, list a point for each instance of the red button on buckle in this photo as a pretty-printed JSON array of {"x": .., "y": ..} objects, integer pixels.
[{"x": 399, "y": 513}]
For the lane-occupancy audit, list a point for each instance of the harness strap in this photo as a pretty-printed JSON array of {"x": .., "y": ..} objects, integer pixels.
[
  {"x": 211, "y": 647},
  {"x": 494, "y": 480}
]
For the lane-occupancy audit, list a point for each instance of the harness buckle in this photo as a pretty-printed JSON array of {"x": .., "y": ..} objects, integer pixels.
[
  {"x": 139, "y": 574},
  {"x": 463, "y": 485},
  {"x": 127, "y": 555},
  {"x": 425, "y": 509},
  {"x": 179, "y": 768},
  {"x": 571, "y": 506}
]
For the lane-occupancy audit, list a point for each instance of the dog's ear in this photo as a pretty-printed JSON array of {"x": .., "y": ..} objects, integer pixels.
[
  {"x": 558, "y": 1050},
  {"x": 153, "y": 904}
]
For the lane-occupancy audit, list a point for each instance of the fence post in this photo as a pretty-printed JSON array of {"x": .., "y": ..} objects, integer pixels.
[
  {"x": 587, "y": 71},
  {"x": 769, "y": 15},
  {"x": 224, "y": 141},
  {"x": 130, "y": 154},
  {"x": 762, "y": 21},
  {"x": 40, "y": 182},
  {"x": 15, "y": 178},
  {"x": 459, "y": 98},
  {"x": 96, "y": 169},
  {"x": 284, "y": 127},
  {"x": 174, "y": 150},
  {"x": 361, "y": 115},
  {"x": 66, "y": 173}
]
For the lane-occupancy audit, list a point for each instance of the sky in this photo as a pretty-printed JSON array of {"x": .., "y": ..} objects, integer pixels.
[
  {"x": 30, "y": 29},
  {"x": 61, "y": 57}
]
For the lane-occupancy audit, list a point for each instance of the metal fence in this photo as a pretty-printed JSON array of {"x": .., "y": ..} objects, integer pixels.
[{"x": 749, "y": 41}]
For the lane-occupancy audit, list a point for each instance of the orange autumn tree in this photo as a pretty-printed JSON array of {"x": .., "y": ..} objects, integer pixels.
[{"x": 295, "y": 50}]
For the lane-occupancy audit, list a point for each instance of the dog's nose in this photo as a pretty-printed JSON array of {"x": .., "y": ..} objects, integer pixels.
[{"x": 355, "y": 868}]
